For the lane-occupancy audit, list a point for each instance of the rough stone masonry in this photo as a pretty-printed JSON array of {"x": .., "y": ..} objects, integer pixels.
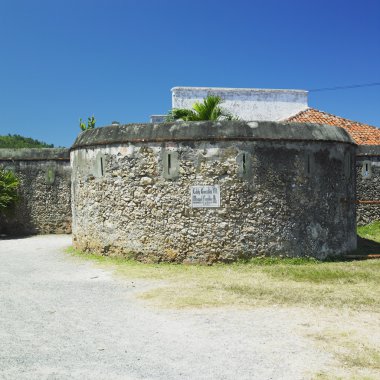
[
  {"x": 214, "y": 191},
  {"x": 45, "y": 181},
  {"x": 368, "y": 184}
]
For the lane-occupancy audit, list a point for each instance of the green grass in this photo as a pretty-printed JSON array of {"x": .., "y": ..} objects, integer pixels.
[{"x": 370, "y": 231}]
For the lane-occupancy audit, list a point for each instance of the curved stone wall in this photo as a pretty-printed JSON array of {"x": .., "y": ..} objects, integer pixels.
[
  {"x": 268, "y": 188},
  {"x": 45, "y": 177}
]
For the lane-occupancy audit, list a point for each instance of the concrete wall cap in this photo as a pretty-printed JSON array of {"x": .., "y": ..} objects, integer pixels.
[
  {"x": 368, "y": 150},
  {"x": 239, "y": 90},
  {"x": 211, "y": 131}
]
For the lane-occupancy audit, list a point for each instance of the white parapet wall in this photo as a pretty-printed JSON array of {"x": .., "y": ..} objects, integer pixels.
[
  {"x": 246, "y": 103},
  {"x": 157, "y": 118}
]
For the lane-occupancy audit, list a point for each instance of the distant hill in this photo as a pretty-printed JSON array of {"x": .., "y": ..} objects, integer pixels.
[{"x": 17, "y": 141}]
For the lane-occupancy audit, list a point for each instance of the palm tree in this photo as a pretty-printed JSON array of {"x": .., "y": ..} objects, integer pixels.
[{"x": 207, "y": 110}]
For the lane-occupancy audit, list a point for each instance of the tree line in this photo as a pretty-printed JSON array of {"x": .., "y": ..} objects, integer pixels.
[{"x": 18, "y": 141}]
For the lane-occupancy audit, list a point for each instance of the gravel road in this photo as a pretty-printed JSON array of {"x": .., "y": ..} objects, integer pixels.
[{"x": 62, "y": 318}]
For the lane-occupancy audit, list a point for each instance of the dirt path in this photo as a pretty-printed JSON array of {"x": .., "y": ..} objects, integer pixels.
[{"x": 61, "y": 318}]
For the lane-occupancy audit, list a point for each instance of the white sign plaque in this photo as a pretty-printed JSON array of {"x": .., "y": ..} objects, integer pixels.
[{"x": 205, "y": 196}]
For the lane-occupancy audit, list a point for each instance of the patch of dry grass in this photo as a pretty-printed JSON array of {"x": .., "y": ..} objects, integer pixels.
[
  {"x": 261, "y": 282},
  {"x": 346, "y": 295},
  {"x": 356, "y": 357}
]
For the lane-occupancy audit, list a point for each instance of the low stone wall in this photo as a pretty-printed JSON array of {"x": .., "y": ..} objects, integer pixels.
[
  {"x": 45, "y": 204},
  {"x": 368, "y": 184},
  {"x": 206, "y": 192}
]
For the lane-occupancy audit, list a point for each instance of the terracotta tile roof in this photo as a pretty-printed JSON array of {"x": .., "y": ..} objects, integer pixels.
[{"x": 363, "y": 134}]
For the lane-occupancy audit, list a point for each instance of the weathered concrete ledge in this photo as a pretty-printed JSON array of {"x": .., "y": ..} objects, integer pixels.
[
  {"x": 368, "y": 150},
  {"x": 35, "y": 154},
  {"x": 212, "y": 132},
  {"x": 241, "y": 90}
]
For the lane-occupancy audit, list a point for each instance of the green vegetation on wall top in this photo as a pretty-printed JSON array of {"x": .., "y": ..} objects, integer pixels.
[
  {"x": 17, "y": 141},
  {"x": 90, "y": 123}
]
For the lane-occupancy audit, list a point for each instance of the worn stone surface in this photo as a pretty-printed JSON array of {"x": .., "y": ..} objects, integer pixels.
[
  {"x": 368, "y": 183},
  {"x": 45, "y": 204},
  {"x": 292, "y": 196}
]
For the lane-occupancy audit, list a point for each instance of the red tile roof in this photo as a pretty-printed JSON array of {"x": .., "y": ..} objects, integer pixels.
[{"x": 363, "y": 134}]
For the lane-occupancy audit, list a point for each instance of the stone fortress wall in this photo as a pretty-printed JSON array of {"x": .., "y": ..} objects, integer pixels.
[
  {"x": 269, "y": 189},
  {"x": 45, "y": 174},
  {"x": 45, "y": 203},
  {"x": 368, "y": 183}
]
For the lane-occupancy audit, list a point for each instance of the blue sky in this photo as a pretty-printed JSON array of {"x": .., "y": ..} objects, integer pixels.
[{"x": 62, "y": 59}]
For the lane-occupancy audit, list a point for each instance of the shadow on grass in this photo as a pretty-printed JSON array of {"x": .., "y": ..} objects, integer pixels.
[{"x": 367, "y": 247}]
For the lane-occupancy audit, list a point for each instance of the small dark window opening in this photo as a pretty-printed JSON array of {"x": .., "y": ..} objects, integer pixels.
[
  {"x": 101, "y": 166},
  {"x": 308, "y": 164},
  {"x": 169, "y": 163},
  {"x": 366, "y": 170},
  {"x": 244, "y": 164}
]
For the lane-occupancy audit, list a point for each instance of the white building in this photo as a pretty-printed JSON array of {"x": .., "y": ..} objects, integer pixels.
[{"x": 245, "y": 103}]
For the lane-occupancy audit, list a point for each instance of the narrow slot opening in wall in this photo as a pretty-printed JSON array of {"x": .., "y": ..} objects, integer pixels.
[
  {"x": 169, "y": 163},
  {"x": 244, "y": 164},
  {"x": 308, "y": 164},
  {"x": 348, "y": 166},
  {"x": 101, "y": 166},
  {"x": 366, "y": 170}
]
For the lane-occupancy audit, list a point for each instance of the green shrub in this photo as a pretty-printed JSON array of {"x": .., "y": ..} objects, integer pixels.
[
  {"x": 90, "y": 123},
  {"x": 9, "y": 184}
]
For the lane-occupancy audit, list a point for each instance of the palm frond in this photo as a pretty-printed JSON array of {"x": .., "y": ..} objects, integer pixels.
[
  {"x": 207, "y": 110},
  {"x": 183, "y": 114}
]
